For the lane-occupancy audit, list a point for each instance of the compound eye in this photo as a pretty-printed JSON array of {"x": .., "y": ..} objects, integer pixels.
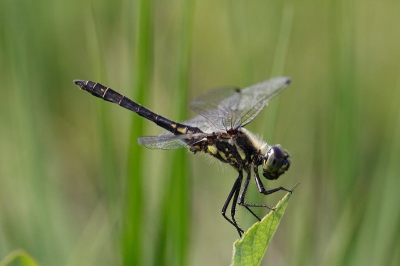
[
  {"x": 275, "y": 157},
  {"x": 273, "y": 162}
]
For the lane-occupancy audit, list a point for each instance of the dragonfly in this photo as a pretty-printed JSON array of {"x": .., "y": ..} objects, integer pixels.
[{"x": 218, "y": 130}]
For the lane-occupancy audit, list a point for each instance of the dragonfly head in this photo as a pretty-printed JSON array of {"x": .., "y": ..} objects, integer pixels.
[{"x": 275, "y": 163}]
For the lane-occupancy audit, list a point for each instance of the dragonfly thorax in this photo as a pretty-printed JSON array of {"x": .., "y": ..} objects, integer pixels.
[{"x": 232, "y": 147}]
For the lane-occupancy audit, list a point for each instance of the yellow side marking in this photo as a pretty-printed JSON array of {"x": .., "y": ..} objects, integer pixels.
[
  {"x": 212, "y": 149},
  {"x": 222, "y": 155},
  {"x": 241, "y": 152},
  {"x": 182, "y": 130}
]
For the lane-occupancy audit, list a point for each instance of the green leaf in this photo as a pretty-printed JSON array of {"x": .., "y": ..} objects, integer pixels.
[
  {"x": 19, "y": 257},
  {"x": 250, "y": 249}
]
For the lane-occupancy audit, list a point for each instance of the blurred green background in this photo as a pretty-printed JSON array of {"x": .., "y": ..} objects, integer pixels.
[{"x": 76, "y": 189}]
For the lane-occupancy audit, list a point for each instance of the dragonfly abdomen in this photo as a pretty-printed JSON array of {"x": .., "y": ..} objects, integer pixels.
[{"x": 110, "y": 95}]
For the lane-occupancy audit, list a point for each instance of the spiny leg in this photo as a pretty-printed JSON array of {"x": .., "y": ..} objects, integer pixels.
[
  {"x": 235, "y": 190},
  {"x": 260, "y": 185},
  {"x": 243, "y": 195},
  {"x": 233, "y": 207},
  {"x": 261, "y": 189}
]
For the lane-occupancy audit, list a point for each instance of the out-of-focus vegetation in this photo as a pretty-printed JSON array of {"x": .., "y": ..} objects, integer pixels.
[{"x": 75, "y": 189}]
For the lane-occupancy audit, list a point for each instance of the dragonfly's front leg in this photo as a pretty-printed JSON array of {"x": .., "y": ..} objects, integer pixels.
[{"x": 261, "y": 188}]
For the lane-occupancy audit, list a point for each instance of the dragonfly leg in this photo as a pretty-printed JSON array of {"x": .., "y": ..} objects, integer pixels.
[
  {"x": 233, "y": 193},
  {"x": 243, "y": 195},
  {"x": 261, "y": 188},
  {"x": 233, "y": 207}
]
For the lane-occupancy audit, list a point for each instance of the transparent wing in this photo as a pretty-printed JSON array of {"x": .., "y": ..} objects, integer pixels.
[
  {"x": 155, "y": 142},
  {"x": 213, "y": 107},
  {"x": 226, "y": 108},
  {"x": 168, "y": 141},
  {"x": 203, "y": 123},
  {"x": 256, "y": 97},
  {"x": 220, "y": 109}
]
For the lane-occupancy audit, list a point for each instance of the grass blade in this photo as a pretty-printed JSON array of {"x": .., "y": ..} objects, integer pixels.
[
  {"x": 132, "y": 242},
  {"x": 174, "y": 225}
]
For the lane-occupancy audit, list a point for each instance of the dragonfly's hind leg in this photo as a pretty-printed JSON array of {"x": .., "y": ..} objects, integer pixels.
[{"x": 235, "y": 194}]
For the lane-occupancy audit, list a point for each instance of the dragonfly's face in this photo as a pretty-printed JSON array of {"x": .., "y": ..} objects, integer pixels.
[{"x": 275, "y": 163}]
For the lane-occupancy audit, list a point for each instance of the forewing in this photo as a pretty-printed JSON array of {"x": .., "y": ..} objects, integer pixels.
[
  {"x": 256, "y": 97},
  {"x": 226, "y": 108},
  {"x": 213, "y": 105}
]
